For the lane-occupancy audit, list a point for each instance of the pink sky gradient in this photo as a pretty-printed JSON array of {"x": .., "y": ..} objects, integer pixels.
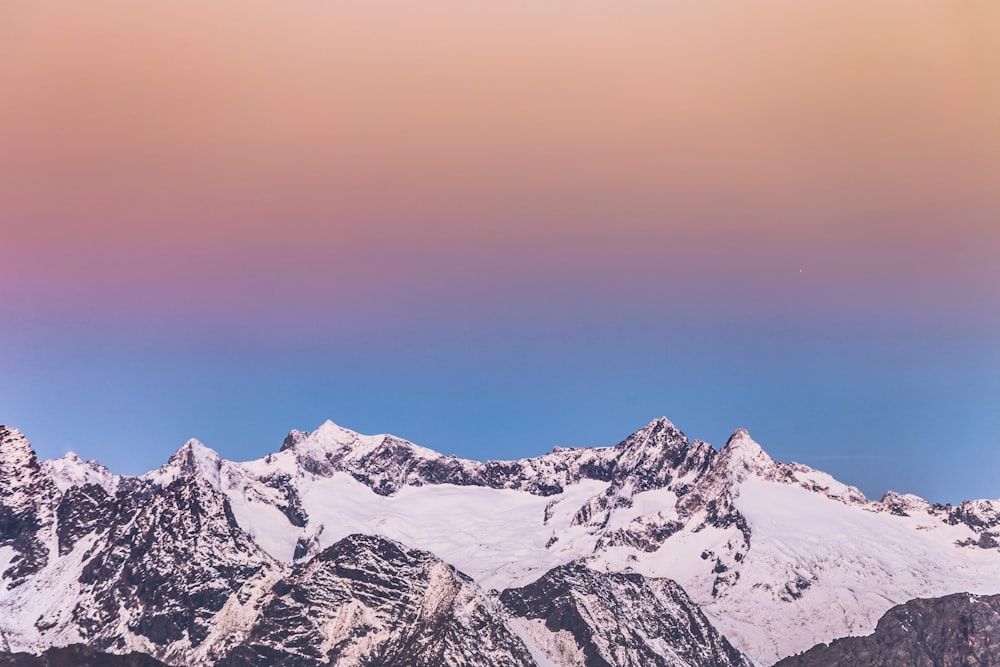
[
  {"x": 173, "y": 138},
  {"x": 525, "y": 173}
]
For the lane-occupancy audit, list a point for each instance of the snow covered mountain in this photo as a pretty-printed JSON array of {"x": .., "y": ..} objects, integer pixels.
[{"x": 362, "y": 549}]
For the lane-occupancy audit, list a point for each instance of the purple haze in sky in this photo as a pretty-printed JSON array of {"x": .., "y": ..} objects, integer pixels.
[{"x": 495, "y": 229}]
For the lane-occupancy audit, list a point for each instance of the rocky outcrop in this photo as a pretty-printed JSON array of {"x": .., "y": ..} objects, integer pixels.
[
  {"x": 386, "y": 463},
  {"x": 26, "y": 508},
  {"x": 371, "y": 601},
  {"x": 167, "y": 563},
  {"x": 77, "y": 655},
  {"x": 617, "y": 619},
  {"x": 957, "y": 630}
]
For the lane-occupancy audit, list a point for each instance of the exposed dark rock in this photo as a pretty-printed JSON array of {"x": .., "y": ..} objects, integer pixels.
[
  {"x": 649, "y": 459},
  {"x": 367, "y": 600},
  {"x": 291, "y": 506},
  {"x": 960, "y": 630},
  {"x": 81, "y": 511},
  {"x": 77, "y": 655},
  {"x": 26, "y": 501},
  {"x": 172, "y": 560},
  {"x": 619, "y": 619},
  {"x": 982, "y": 516},
  {"x": 293, "y": 438},
  {"x": 654, "y": 456}
]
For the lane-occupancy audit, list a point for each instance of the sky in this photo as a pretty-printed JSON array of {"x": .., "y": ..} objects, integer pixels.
[{"x": 492, "y": 228}]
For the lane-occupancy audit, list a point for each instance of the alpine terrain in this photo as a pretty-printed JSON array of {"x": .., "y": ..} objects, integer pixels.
[
  {"x": 955, "y": 630},
  {"x": 351, "y": 549}
]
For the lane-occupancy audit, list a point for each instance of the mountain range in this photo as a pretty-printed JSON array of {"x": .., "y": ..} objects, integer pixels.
[{"x": 351, "y": 549}]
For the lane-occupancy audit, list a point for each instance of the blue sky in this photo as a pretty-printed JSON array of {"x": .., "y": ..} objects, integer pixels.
[
  {"x": 881, "y": 410},
  {"x": 496, "y": 230}
]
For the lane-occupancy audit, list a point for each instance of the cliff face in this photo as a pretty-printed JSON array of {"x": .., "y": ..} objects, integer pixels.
[
  {"x": 616, "y": 618},
  {"x": 370, "y": 601},
  {"x": 77, "y": 655},
  {"x": 958, "y": 630}
]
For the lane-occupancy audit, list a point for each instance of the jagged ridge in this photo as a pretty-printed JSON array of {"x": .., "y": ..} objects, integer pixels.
[{"x": 181, "y": 562}]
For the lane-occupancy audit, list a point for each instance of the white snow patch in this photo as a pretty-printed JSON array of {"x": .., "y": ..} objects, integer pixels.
[
  {"x": 547, "y": 648},
  {"x": 818, "y": 570},
  {"x": 497, "y": 536},
  {"x": 70, "y": 470}
]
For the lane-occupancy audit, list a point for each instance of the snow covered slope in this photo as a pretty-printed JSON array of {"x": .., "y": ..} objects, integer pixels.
[
  {"x": 767, "y": 549},
  {"x": 779, "y": 556}
]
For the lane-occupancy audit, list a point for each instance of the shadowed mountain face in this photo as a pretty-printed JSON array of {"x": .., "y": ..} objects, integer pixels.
[
  {"x": 619, "y": 619},
  {"x": 77, "y": 656},
  {"x": 959, "y": 630},
  {"x": 370, "y": 601}
]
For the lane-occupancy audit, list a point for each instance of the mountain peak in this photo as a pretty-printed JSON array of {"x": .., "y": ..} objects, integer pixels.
[
  {"x": 343, "y": 442},
  {"x": 14, "y": 447},
  {"x": 192, "y": 447},
  {"x": 663, "y": 427},
  {"x": 741, "y": 440},
  {"x": 193, "y": 459},
  {"x": 904, "y": 504},
  {"x": 742, "y": 454},
  {"x": 661, "y": 423},
  {"x": 657, "y": 454},
  {"x": 329, "y": 425},
  {"x": 658, "y": 433},
  {"x": 70, "y": 470},
  {"x": 18, "y": 462},
  {"x": 293, "y": 438},
  {"x": 329, "y": 433}
]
